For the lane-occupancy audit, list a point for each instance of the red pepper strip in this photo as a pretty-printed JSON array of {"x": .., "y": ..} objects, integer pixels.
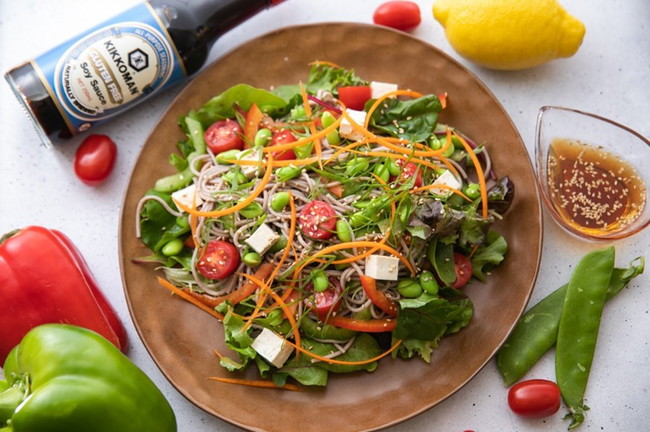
[
  {"x": 378, "y": 298},
  {"x": 44, "y": 279},
  {"x": 368, "y": 326}
]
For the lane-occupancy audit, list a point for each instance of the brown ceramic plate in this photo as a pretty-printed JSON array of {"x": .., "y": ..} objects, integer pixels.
[{"x": 181, "y": 338}]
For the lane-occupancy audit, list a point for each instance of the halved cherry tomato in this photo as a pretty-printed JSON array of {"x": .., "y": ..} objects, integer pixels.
[
  {"x": 94, "y": 159},
  {"x": 463, "y": 268},
  {"x": 317, "y": 220},
  {"x": 400, "y": 15},
  {"x": 355, "y": 97},
  {"x": 324, "y": 302},
  {"x": 224, "y": 135},
  {"x": 409, "y": 170},
  {"x": 219, "y": 259},
  {"x": 284, "y": 136},
  {"x": 536, "y": 398}
]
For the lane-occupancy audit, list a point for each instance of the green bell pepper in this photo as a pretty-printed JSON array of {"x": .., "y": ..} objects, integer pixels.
[{"x": 64, "y": 378}]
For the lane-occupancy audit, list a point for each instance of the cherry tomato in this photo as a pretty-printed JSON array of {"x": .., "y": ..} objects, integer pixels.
[
  {"x": 400, "y": 15},
  {"x": 463, "y": 268},
  {"x": 94, "y": 159},
  {"x": 285, "y": 136},
  {"x": 408, "y": 171},
  {"x": 317, "y": 220},
  {"x": 355, "y": 97},
  {"x": 536, "y": 398},
  {"x": 219, "y": 259},
  {"x": 224, "y": 135},
  {"x": 324, "y": 302}
]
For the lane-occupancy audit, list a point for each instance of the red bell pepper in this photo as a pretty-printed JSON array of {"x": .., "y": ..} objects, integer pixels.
[{"x": 44, "y": 279}]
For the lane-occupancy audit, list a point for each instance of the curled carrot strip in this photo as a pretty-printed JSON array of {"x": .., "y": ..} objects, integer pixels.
[
  {"x": 241, "y": 204},
  {"x": 344, "y": 362},
  {"x": 479, "y": 173},
  {"x": 257, "y": 383},
  {"x": 187, "y": 297}
]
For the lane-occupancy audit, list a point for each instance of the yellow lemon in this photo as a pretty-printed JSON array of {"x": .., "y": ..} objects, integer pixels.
[{"x": 509, "y": 34}]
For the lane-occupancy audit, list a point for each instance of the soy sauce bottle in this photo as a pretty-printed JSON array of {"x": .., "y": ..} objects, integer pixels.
[{"x": 122, "y": 61}]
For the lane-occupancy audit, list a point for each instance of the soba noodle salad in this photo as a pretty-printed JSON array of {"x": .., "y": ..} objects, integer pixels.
[{"x": 326, "y": 224}]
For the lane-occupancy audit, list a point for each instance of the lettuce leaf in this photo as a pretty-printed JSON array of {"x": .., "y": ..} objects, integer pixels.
[{"x": 413, "y": 119}]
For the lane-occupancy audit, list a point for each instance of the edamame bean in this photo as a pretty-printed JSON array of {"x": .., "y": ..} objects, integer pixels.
[
  {"x": 356, "y": 166},
  {"x": 234, "y": 178},
  {"x": 409, "y": 288},
  {"x": 343, "y": 230},
  {"x": 473, "y": 191},
  {"x": 252, "y": 211},
  {"x": 252, "y": 259},
  {"x": 358, "y": 219},
  {"x": 393, "y": 168},
  {"x": 435, "y": 143},
  {"x": 172, "y": 247},
  {"x": 298, "y": 112},
  {"x": 381, "y": 171},
  {"x": 279, "y": 201},
  {"x": 327, "y": 119},
  {"x": 429, "y": 283},
  {"x": 225, "y": 157},
  {"x": 287, "y": 173},
  {"x": 320, "y": 280},
  {"x": 262, "y": 137},
  {"x": 279, "y": 245}
]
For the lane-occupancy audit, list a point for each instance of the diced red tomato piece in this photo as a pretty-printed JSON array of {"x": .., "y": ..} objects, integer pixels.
[
  {"x": 409, "y": 169},
  {"x": 284, "y": 136},
  {"x": 218, "y": 260},
  {"x": 325, "y": 302},
  {"x": 463, "y": 268},
  {"x": 224, "y": 135},
  {"x": 355, "y": 97},
  {"x": 317, "y": 220}
]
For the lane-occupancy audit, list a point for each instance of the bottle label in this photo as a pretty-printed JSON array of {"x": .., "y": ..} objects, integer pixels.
[{"x": 110, "y": 68}]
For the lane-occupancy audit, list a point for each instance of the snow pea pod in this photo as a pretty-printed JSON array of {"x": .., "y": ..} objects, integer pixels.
[
  {"x": 578, "y": 330},
  {"x": 536, "y": 330}
]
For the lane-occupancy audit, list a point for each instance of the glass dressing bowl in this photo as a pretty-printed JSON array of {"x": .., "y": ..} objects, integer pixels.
[{"x": 593, "y": 173}]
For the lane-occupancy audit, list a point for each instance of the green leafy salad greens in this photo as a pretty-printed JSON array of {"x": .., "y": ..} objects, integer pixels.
[{"x": 371, "y": 222}]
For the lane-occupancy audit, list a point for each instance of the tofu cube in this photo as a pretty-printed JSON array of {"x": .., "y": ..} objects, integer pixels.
[
  {"x": 187, "y": 196},
  {"x": 262, "y": 239},
  {"x": 382, "y": 267},
  {"x": 255, "y": 170},
  {"x": 446, "y": 179},
  {"x": 378, "y": 89},
  {"x": 272, "y": 347},
  {"x": 345, "y": 128}
]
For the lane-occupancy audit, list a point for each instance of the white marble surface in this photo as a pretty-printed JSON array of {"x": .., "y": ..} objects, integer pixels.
[{"x": 610, "y": 75}]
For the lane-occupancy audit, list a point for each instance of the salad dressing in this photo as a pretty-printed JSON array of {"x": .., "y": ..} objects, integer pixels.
[{"x": 593, "y": 190}]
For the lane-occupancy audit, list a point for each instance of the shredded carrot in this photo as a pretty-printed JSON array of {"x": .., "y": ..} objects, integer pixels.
[
  {"x": 479, "y": 173},
  {"x": 312, "y": 128},
  {"x": 356, "y": 244},
  {"x": 317, "y": 136},
  {"x": 241, "y": 204},
  {"x": 324, "y": 63},
  {"x": 278, "y": 266},
  {"x": 344, "y": 362},
  {"x": 257, "y": 383},
  {"x": 266, "y": 288},
  {"x": 441, "y": 186},
  {"x": 388, "y": 95},
  {"x": 185, "y": 296}
]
